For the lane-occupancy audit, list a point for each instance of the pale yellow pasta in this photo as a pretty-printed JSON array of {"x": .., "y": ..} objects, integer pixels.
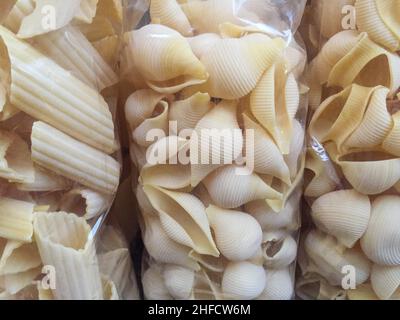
[
  {"x": 19, "y": 257},
  {"x": 16, "y": 219},
  {"x": 70, "y": 106},
  {"x": 7, "y": 110},
  {"x": 15, "y": 160},
  {"x": 5, "y": 8},
  {"x": 45, "y": 180},
  {"x": 64, "y": 242},
  {"x": 72, "y": 159},
  {"x": 71, "y": 50},
  {"x": 14, "y": 283},
  {"x": 20, "y": 10},
  {"x": 86, "y": 203},
  {"x": 87, "y": 11}
]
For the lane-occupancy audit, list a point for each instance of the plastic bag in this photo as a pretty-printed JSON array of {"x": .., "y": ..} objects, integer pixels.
[
  {"x": 353, "y": 166},
  {"x": 219, "y": 221},
  {"x": 59, "y": 151}
]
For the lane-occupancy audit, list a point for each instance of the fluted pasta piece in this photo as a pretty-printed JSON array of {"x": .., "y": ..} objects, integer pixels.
[
  {"x": 19, "y": 257},
  {"x": 15, "y": 161},
  {"x": 162, "y": 248},
  {"x": 45, "y": 180},
  {"x": 71, "y": 105},
  {"x": 232, "y": 186},
  {"x": 72, "y": 159},
  {"x": 379, "y": 20},
  {"x": 164, "y": 58},
  {"x": 69, "y": 48},
  {"x": 187, "y": 113},
  {"x": 184, "y": 219},
  {"x": 335, "y": 65},
  {"x": 375, "y": 125},
  {"x": 235, "y": 65},
  {"x": 207, "y": 16},
  {"x": 7, "y": 110},
  {"x": 86, "y": 203},
  {"x": 392, "y": 141},
  {"x": 21, "y": 9},
  {"x": 270, "y": 107},
  {"x": 385, "y": 281},
  {"x": 267, "y": 157},
  {"x": 87, "y": 11},
  {"x": 15, "y": 283},
  {"x": 16, "y": 219},
  {"x": 202, "y": 43},
  {"x": 64, "y": 242},
  {"x": 217, "y": 140},
  {"x": 170, "y": 14},
  {"x": 341, "y": 114},
  {"x": 164, "y": 166}
]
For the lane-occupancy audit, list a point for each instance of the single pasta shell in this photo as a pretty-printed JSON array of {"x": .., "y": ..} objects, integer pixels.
[
  {"x": 179, "y": 281},
  {"x": 392, "y": 142},
  {"x": 153, "y": 284},
  {"x": 216, "y": 140},
  {"x": 248, "y": 57},
  {"x": 267, "y": 156},
  {"x": 271, "y": 108},
  {"x": 341, "y": 114},
  {"x": 187, "y": 113},
  {"x": 296, "y": 149},
  {"x": 203, "y": 43},
  {"x": 376, "y": 124},
  {"x": 164, "y": 167},
  {"x": 381, "y": 240},
  {"x": 279, "y": 249},
  {"x": 184, "y": 219},
  {"x": 370, "y": 177},
  {"x": 170, "y": 14},
  {"x": 279, "y": 285},
  {"x": 15, "y": 161},
  {"x": 320, "y": 181},
  {"x": 270, "y": 220},
  {"x": 328, "y": 258},
  {"x": 232, "y": 186},
  {"x": 144, "y": 202},
  {"x": 140, "y": 106},
  {"x": 372, "y": 17},
  {"x": 385, "y": 280},
  {"x": 243, "y": 280},
  {"x": 162, "y": 248},
  {"x": 164, "y": 57},
  {"x": 86, "y": 203},
  {"x": 237, "y": 234},
  {"x": 206, "y": 16},
  {"x": 145, "y": 134},
  {"x": 343, "y": 214}
]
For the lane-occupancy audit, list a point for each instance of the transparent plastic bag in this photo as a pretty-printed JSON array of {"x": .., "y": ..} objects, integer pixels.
[
  {"x": 60, "y": 162},
  {"x": 350, "y": 250},
  {"x": 218, "y": 221}
]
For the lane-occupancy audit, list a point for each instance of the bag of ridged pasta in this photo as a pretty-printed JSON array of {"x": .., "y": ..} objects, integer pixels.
[
  {"x": 216, "y": 120},
  {"x": 350, "y": 250},
  {"x": 58, "y": 147}
]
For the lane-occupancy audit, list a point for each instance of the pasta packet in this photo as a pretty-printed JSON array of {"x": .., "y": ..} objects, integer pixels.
[
  {"x": 216, "y": 118},
  {"x": 59, "y": 150},
  {"x": 350, "y": 250}
]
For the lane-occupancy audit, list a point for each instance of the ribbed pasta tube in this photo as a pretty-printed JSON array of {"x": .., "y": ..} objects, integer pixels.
[
  {"x": 45, "y": 180},
  {"x": 56, "y": 151},
  {"x": 47, "y": 92},
  {"x": 72, "y": 51},
  {"x": 16, "y": 219},
  {"x": 64, "y": 242}
]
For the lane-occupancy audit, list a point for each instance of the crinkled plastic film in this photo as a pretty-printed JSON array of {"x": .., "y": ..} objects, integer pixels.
[
  {"x": 59, "y": 151},
  {"x": 350, "y": 245},
  {"x": 218, "y": 222}
]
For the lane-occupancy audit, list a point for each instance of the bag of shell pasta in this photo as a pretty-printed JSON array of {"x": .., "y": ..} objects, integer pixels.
[
  {"x": 351, "y": 250},
  {"x": 216, "y": 120},
  {"x": 58, "y": 147}
]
